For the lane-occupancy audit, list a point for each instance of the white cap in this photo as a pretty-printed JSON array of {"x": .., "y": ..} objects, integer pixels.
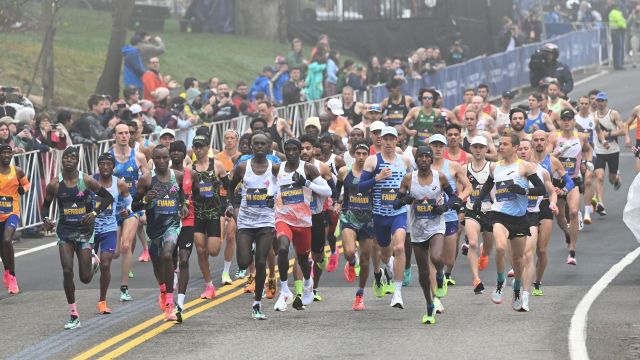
[
  {"x": 335, "y": 105},
  {"x": 479, "y": 140},
  {"x": 389, "y": 130},
  {"x": 377, "y": 126},
  {"x": 167, "y": 131},
  {"x": 135, "y": 109},
  {"x": 437, "y": 138}
]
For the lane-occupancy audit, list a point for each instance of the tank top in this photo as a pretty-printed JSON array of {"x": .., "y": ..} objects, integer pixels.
[
  {"x": 606, "y": 124},
  {"x": 556, "y": 108},
  {"x": 127, "y": 171},
  {"x": 423, "y": 124},
  {"x": 462, "y": 160},
  {"x": 348, "y": 159},
  {"x": 339, "y": 127},
  {"x": 293, "y": 203},
  {"x": 187, "y": 189},
  {"x": 227, "y": 164},
  {"x": 408, "y": 152},
  {"x": 424, "y": 223},
  {"x": 466, "y": 144},
  {"x": 318, "y": 203},
  {"x": 73, "y": 204},
  {"x": 502, "y": 119},
  {"x": 106, "y": 221},
  {"x": 9, "y": 196},
  {"x": 356, "y": 205},
  {"x": 533, "y": 202},
  {"x": 254, "y": 212},
  {"x": 210, "y": 204},
  {"x": 588, "y": 126},
  {"x": 275, "y": 135},
  {"x": 386, "y": 191},
  {"x": 164, "y": 212},
  {"x": 332, "y": 164},
  {"x": 506, "y": 202},
  {"x": 450, "y": 215},
  {"x": 572, "y": 157},
  {"x": 487, "y": 109},
  {"x": 529, "y": 123},
  {"x": 463, "y": 109},
  {"x": 477, "y": 180},
  {"x": 394, "y": 114},
  {"x": 546, "y": 164},
  {"x": 350, "y": 114}
]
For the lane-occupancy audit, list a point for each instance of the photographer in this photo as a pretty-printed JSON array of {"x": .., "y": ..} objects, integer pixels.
[
  {"x": 292, "y": 89},
  {"x": 220, "y": 107},
  {"x": 544, "y": 63},
  {"x": 88, "y": 129},
  {"x": 458, "y": 52}
]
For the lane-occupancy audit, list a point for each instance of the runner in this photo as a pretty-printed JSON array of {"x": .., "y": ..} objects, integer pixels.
[
  {"x": 418, "y": 124},
  {"x": 13, "y": 183},
  {"x": 487, "y": 107},
  {"x": 383, "y": 173},
  {"x": 509, "y": 210},
  {"x": 472, "y": 130},
  {"x": 485, "y": 122},
  {"x": 608, "y": 126},
  {"x": 586, "y": 124},
  {"x": 356, "y": 222},
  {"x": 106, "y": 224},
  {"x": 355, "y": 136},
  {"x": 459, "y": 110},
  {"x": 502, "y": 113},
  {"x": 478, "y": 222},
  {"x": 296, "y": 181},
  {"x": 555, "y": 103},
  {"x": 570, "y": 147},
  {"x": 396, "y": 106},
  {"x": 536, "y": 118},
  {"x": 352, "y": 109},
  {"x": 278, "y": 127},
  {"x": 454, "y": 152},
  {"x": 208, "y": 208},
  {"x": 160, "y": 194},
  {"x": 74, "y": 227},
  {"x": 129, "y": 165},
  {"x": 424, "y": 189},
  {"x": 256, "y": 217},
  {"x": 517, "y": 120},
  {"x": 334, "y": 162}
]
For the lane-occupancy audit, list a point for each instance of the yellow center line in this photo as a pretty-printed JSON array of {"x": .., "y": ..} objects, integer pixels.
[{"x": 166, "y": 325}]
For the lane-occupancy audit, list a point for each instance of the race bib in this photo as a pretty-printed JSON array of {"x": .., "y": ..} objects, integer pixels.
[
  {"x": 73, "y": 212},
  {"x": 6, "y": 205},
  {"x": 502, "y": 193},
  {"x": 569, "y": 164},
  {"x": 388, "y": 196},
  {"x": 423, "y": 135},
  {"x": 206, "y": 189},
  {"x": 423, "y": 209},
  {"x": 475, "y": 194},
  {"x": 360, "y": 202},
  {"x": 291, "y": 194},
  {"x": 532, "y": 201},
  {"x": 256, "y": 198},
  {"x": 166, "y": 206}
]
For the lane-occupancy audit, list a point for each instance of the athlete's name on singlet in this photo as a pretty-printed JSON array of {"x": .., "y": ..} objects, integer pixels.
[
  {"x": 74, "y": 211},
  {"x": 358, "y": 199},
  {"x": 256, "y": 197},
  {"x": 6, "y": 204},
  {"x": 166, "y": 202},
  {"x": 287, "y": 193},
  {"x": 391, "y": 196}
]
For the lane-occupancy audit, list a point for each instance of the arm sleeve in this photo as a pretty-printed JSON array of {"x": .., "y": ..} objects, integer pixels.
[
  {"x": 367, "y": 181},
  {"x": 486, "y": 188},
  {"x": 319, "y": 186},
  {"x": 568, "y": 182},
  {"x": 107, "y": 199},
  {"x": 137, "y": 204},
  {"x": 538, "y": 188},
  {"x": 126, "y": 202},
  {"x": 335, "y": 194},
  {"x": 339, "y": 185}
]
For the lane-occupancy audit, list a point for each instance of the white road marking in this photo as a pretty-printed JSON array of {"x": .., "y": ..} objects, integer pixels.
[
  {"x": 35, "y": 249},
  {"x": 589, "y": 78},
  {"x": 577, "y": 330}
]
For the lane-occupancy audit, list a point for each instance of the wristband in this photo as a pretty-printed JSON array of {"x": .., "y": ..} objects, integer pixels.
[{"x": 95, "y": 214}]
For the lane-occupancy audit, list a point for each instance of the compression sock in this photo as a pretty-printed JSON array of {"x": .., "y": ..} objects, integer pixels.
[
  {"x": 501, "y": 277},
  {"x": 516, "y": 284},
  {"x": 298, "y": 285}
]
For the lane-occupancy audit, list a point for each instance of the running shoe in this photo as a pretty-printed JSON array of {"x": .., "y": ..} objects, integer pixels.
[
  {"x": 618, "y": 182},
  {"x": 144, "y": 257},
  {"x": 226, "y": 279},
  {"x": 5, "y": 278},
  {"x": 511, "y": 273},
  {"x": 297, "y": 303},
  {"x": 571, "y": 260},
  {"x": 428, "y": 320},
  {"x": 450, "y": 281},
  {"x": 441, "y": 291},
  {"x": 358, "y": 268},
  {"x": 102, "y": 308},
  {"x": 170, "y": 313},
  {"x": 285, "y": 298},
  {"x": 587, "y": 219},
  {"x": 387, "y": 280},
  {"x": 537, "y": 290},
  {"x": 358, "y": 303},
  {"x": 209, "y": 292},
  {"x": 240, "y": 274},
  {"x": 594, "y": 201},
  {"x": 407, "y": 277},
  {"x": 74, "y": 322},
  {"x": 600, "y": 209},
  {"x": 478, "y": 287},
  {"x": 464, "y": 248},
  {"x": 271, "y": 288},
  {"x": 580, "y": 221},
  {"x": 307, "y": 293},
  {"x": 349, "y": 272},
  {"x": 13, "y": 285},
  {"x": 332, "y": 264},
  {"x": 257, "y": 314},
  {"x": 250, "y": 286},
  {"x": 130, "y": 274},
  {"x": 178, "y": 314},
  {"x": 438, "y": 308},
  {"x": 525, "y": 301},
  {"x": 162, "y": 301},
  {"x": 483, "y": 261},
  {"x": 95, "y": 262},
  {"x": 316, "y": 295},
  {"x": 516, "y": 303},
  {"x": 378, "y": 289},
  {"x": 124, "y": 295},
  {"x": 496, "y": 296},
  {"x": 396, "y": 301}
]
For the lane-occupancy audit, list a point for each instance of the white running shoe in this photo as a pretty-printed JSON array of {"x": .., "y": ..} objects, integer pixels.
[
  {"x": 525, "y": 301},
  {"x": 437, "y": 306},
  {"x": 396, "y": 301},
  {"x": 580, "y": 221},
  {"x": 286, "y": 297},
  {"x": 517, "y": 301},
  {"x": 496, "y": 296},
  {"x": 307, "y": 294}
]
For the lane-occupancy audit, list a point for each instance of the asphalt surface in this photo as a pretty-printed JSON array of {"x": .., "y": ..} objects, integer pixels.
[{"x": 471, "y": 327}]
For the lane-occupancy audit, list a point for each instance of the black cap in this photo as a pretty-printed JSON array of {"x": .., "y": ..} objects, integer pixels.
[
  {"x": 507, "y": 94},
  {"x": 439, "y": 121},
  {"x": 424, "y": 150},
  {"x": 567, "y": 113},
  {"x": 4, "y": 147},
  {"x": 179, "y": 146},
  {"x": 200, "y": 140},
  {"x": 107, "y": 157}
]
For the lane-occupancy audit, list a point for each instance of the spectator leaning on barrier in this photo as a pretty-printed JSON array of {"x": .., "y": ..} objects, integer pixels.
[
  {"x": 88, "y": 128},
  {"x": 292, "y": 89},
  {"x": 618, "y": 26},
  {"x": 221, "y": 106},
  {"x": 262, "y": 84},
  {"x": 280, "y": 78},
  {"x": 63, "y": 122},
  {"x": 133, "y": 66}
]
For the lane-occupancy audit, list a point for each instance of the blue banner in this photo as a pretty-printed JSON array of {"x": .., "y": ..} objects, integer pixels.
[{"x": 501, "y": 72}]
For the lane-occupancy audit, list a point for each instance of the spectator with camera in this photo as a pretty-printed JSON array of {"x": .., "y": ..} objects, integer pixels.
[
  {"x": 458, "y": 52},
  {"x": 292, "y": 89},
  {"x": 220, "y": 107},
  {"x": 544, "y": 64},
  {"x": 88, "y": 129}
]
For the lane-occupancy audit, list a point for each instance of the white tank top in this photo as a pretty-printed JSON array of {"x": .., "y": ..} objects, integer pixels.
[
  {"x": 572, "y": 156},
  {"x": 332, "y": 164},
  {"x": 317, "y": 202},
  {"x": 609, "y": 126},
  {"x": 254, "y": 212},
  {"x": 477, "y": 180},
  {"x": 502, "y": 118},
  {"x": 533, "y": 204},
  {"x": 348, "y": 159},
  {"x": 588, "y": 125},
  {"x": 424, "y": 223},
  {"x": 293, "y": 203},
  {"x": 408, "y": 152}
]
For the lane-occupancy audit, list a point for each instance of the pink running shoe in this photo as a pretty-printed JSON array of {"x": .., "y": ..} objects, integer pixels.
[
  {"x": 332, "y": 265},
  {"x": 5, "y": 279},
  {"x": 209, "y": 292},
  {"x": 144, "y": 257},
  {"x": 13, "y": 285}
]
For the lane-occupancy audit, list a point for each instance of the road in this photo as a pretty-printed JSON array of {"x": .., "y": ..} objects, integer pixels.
[{"x": 472, "y": 327}]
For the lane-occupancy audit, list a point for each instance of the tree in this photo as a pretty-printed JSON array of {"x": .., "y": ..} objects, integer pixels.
[
  {"x": 109, "y": 82},
  {"x": 49, "y": 11}
]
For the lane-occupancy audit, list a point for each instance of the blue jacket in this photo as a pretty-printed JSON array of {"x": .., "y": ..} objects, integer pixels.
[
  {"x": 261, "y": 84},
  {"x": 133, "y": 67},
  {"x": 277, "y": 86}
]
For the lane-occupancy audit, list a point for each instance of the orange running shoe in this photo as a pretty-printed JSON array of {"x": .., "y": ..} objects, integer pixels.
[
  {"x": 271, "y": 288},
  {"x": 358, "y": 303},
  {"x": 349, "y": 272},
  {"x": 170, "y": 313},
  {"x": 483, "y": 260},
  {"x": 102, "y": 308},
  {"x": 250, "y": 286}
]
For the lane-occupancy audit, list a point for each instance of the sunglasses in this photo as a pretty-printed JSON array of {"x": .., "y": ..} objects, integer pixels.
[{"x": 427, "y": 98}]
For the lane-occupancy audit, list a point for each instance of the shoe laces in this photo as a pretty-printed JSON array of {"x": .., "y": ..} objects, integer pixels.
[{"x": 516, "y": 294}]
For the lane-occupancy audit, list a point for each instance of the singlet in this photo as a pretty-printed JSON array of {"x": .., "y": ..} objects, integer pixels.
[
  {"x": 588, "y": 126},
  {"x": 187, "y": 189},
  {"x": 462, "y": 160},
  {"x": 275, "y": 135},
  {"x": 394, "y": 114},
  {"x": 227, "y": 164},
  {"x": 423, "y": 124},
  {"x": 339, "y": 127},
  {"x": 385, "y": 191},
  {"x": 546, "y": 164},
  {"x": 350, "y": 114},
  {"x": 331, "y": 162},
  {"x": 274, "y": 159},
  {"x": 506, "y": 202},
  {"x": 348, "y": 159},
  {"x": 127, "y": 171},
  {"x": 502, "y": 119},
  {"x": 556, "y": 108},
  {"x": 529, "y": 123},
  {"x": 461, "y": 112},
  {"x": 477, "y": 180},
  {"x": 293, "y": 203},
  {"x": 606, "y": 124},
  {"x": 533, "y": 202},
  {"x": 74, "y": 203},
  {"x": 318, "y": 203},
  {"x": 210, "y": 205},
  {"x": 408, "y": 152},
  {"x": 450, "y": 215},
  {"x": 9, "y": 196},
  {"x": 424, "y": 223},
  {"x": 164, "y": 212},
  {"x": 356, "y": 205},
  {"x": 106, "y": 221},
  {"x": 487, "y": 109},
  {"x": 254, "y": 212},
  {"x": 572, "y": 157}
]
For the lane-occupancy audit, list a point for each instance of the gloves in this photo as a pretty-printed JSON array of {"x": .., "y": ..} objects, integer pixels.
[
  {"x": 440, "y": 209},
  {"x": 298, "y": 179},
  {"x": 589, "y": 165},
  {"x": 402, "y": 200},
  {"x": 270, "y": 201},
  {"x": 477, "y": 206},
  {"x": 517, "y": 189},
  {"x": 456, "y": 204},
  {"x": 21, "y": 190}
]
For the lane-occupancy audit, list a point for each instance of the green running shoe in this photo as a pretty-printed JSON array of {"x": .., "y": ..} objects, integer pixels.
[
  {"x": 257, "y": 313},
  {"x": 124, "y": 295},
  {"x": 449, "y": 280},
  {"x": 226, "y": 279},
  {"x": 426, "y": 319},
  {"x": 378, "y": 289},
  {"x": 130, "y": 274},
  {"x": 316, "y": 296},
  {"x": 537, "y": 292},
  {"x": 387, "y": 280},
  {"x": 74, "y": 322},
  {"x": 442, "y": 291}
]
